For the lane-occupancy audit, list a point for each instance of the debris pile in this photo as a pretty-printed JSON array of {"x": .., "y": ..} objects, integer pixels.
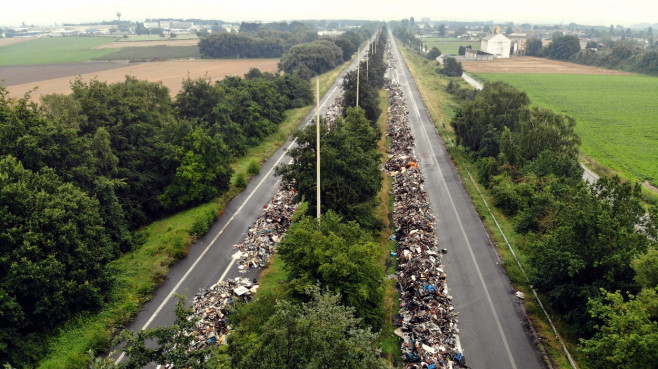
[
  {"x": 428, "y": 331},
  {"x": 267, "y": 231},
  {"x": 335, "y": 110}
]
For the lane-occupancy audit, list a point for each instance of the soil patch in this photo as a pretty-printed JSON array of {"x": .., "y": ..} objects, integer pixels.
[
  {"x": 19, "y": 74},
  {"x": 170, "y": 73},
  {"x": 528, "y": 64},
  {"x": 13, "y": 40}
]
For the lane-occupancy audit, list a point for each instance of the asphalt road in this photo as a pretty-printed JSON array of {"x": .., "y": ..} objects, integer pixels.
[
  {"x": 493, "y": 329},
  {"x": 210, "y": 259}
]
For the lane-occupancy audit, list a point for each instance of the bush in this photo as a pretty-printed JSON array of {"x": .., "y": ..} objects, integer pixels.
[
  {"x": 241, "y": 180},
  {"x": 254, "y": 168}
]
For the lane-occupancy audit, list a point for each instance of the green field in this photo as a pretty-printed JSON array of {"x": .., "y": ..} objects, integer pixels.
[
  {"x": 149, "y": 52},
  {"x": 449, "y": 45},
  {"x": 617, "y": 115},
  {"x": 50, "y": 50}
]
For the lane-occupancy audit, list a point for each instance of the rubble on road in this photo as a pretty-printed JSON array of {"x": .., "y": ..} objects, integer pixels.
[
  {"x": 427, "y": 321},
  {"x": 267, "y": 231}
]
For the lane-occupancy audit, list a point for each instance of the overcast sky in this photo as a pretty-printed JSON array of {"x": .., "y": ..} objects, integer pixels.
[{"x": 590, "y": 12}]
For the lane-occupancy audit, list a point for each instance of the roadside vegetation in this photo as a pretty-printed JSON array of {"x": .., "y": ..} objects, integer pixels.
[
  {"x": 578, "y": 244},
  {"x": 614, "y": 115}
]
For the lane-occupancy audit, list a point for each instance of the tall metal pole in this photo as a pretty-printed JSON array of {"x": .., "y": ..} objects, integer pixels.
[
  {"x": 358, "y": 68},
  {"x": 317, "y": 148}
]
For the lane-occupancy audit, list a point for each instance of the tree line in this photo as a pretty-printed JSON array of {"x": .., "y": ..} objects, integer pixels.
[
  {"x": 620, "y": 54},
  {"x": 80, "y": 173},
  {"x": 591, "y": 247},
  {"x": 329, "y": 307}
]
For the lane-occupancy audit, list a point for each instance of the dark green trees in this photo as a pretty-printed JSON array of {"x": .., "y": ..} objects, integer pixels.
[
  {"x": 350, "y": 176},
  {"x": 452, "y": 68}
]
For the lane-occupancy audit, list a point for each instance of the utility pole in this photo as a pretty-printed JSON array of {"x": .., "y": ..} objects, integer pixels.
[
  {"x": 317, "y": 148},
  {"x": 358, "y": 68}
]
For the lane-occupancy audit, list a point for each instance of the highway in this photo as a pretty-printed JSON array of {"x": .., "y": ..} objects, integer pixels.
[
  {"x": 493, "y": 329},
  {"x": 211, "y": 258}
]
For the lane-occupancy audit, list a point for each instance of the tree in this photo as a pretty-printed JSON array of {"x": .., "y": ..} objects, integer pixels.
[
  {"x": 628, "y": 334},
  {"x": 319, "y": 334},
  {"x": 596, "y": 233},
  {"x": 433, "y": 53},
  {"x": 53, "y": 254},
  {"x": 442, "y": 30},
  {"x": 350, "y": 170},
  {"x": 533, "y": 47},
  {"x": 340, "y": 257},
  {"x": 452, "y": 67},
  {"x": 563, "y": 47}
]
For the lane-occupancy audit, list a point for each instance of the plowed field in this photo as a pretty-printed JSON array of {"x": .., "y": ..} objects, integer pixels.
[
  {"x": 528, "y": 64},
  {"x": 56, "y": 78}
]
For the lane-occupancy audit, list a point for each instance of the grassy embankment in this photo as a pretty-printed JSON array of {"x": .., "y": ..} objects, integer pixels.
[
  {"x": 441, "y": 106},
  {"x": 616, "y": 118},
  {"x": 449, "y": 46},
  {"x": 50, "y": 50},
  {"x": 140, "y": 271}
]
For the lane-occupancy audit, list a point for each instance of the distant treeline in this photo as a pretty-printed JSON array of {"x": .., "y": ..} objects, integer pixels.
[
  {"x": 79, "y": 173},
  {"x": 298, "y": 46}
]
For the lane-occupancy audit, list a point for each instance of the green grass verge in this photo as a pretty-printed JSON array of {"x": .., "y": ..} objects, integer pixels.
[
  {"x": 616, "y": 116},
  {"x": 49, "y": 50},
  {"x": 150, "y": 52},
  {"x": 449, "y": 46},
  {"x": 432, "y": 97},
  {"x": 140, "y": 271}
]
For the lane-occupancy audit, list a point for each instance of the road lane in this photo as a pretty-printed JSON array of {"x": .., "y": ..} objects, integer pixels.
[
  {"x": 492, "y": 325},
  {"x": 210, "y": 258}
]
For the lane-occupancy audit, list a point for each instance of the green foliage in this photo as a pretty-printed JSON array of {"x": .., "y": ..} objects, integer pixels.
[
  {"x": 628, "y": 334},
  {"x": 350, "y": 168},
  {"x": 433, "y": 53},
  {"x": 596, "y": 233},
  {"x": 253, "y": 168},
  {"x": 646, "y": 268},
  {"x": 310, "y": 59},
  {"x": 340, "y": 257},
  {"x": 53, "y": 254},
  {"x": 317, "y": 334},
  {"x": 604, "y": 106},
  {"x": 452, "y": 68},
  {"x": 241, "y": 180},
  {"x": 239, "y": 45},
  {"x": 533, "y": 47},
  {"x": 203, "y": 223},
  {"x": 563, "y": 47}
]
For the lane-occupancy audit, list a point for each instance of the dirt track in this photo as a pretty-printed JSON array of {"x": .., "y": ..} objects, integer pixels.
[
  {"x": 527, "y": 64},
  {"x": 56, "y": 78}
]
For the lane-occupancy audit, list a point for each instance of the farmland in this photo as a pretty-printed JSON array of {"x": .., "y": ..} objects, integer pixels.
[
  {"x": 449, "y": 45},
  {"x": 170, "y": 73},
  {"x": 616, "y": 115},
  {"x": 50, "y": 50}
]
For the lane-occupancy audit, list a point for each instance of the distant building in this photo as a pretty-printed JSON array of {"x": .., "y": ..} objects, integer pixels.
[
  {"x": 478, "y": 55},
  {"x": 496, "y": 44}
]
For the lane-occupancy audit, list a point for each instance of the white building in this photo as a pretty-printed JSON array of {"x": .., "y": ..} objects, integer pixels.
[{"x": 496, "y": 44}]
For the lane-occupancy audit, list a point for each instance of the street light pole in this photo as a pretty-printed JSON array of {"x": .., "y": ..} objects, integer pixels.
[{"x": 317, "y": 148}]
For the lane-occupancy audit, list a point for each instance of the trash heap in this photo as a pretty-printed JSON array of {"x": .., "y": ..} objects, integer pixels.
[
  {"x": 427, "y": 321},
  {"x": 211, "y": 306},
  {"x": 335, "y": 110},
  {"x": 267, "y": 231}
]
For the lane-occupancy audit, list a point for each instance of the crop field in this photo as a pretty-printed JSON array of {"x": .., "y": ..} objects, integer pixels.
[
  {"x": 50, "y": 50},
  {"x": 150, "y": 52},
  {"x": 170, "y": 73},
  {"x": 617, "y": 115},
  {"x": 449, "y": 45}
]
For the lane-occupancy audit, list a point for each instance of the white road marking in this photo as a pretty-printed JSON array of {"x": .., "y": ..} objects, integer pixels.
[{"x": 235, "y": 257}]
